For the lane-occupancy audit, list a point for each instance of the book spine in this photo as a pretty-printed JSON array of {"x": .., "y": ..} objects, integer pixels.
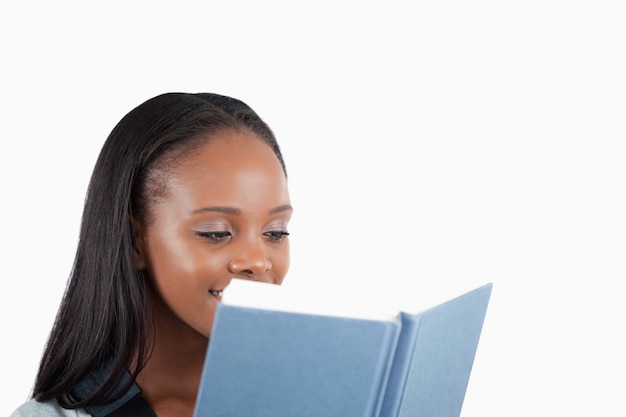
[
  {"x": 390, "y": 343},
  {"x": 400, "y": 366}
]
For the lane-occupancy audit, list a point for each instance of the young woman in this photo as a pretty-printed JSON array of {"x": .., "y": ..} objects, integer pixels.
[{"x": 189, "y": 192}]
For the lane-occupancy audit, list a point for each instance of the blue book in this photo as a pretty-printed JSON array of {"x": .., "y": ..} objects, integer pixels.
[{"x": 270, "y": 362}]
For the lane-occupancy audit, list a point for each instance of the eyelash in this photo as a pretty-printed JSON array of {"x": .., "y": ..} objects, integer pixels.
[
  {"x": 277, "y": 235},
  {"x": 219, "y": 237},
  {"x": 214, "y": 237}
]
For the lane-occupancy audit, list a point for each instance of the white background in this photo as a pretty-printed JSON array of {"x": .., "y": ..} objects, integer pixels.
[{"x": 432, "y": 146}]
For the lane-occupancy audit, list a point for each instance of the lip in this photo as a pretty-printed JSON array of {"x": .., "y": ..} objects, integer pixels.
[
  {"x": 219, "y": 288},
  {"x": 216, "y": 293}
]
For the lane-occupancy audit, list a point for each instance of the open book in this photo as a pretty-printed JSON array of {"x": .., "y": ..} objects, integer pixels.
[{"x": 283, "y": 360}]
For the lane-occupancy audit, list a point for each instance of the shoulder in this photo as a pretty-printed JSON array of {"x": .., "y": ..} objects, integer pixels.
[{"x": 34, "y": 408}]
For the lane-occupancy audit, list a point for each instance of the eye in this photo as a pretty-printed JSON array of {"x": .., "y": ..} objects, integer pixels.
[
  {"x": 215, "y": 237},
  {"x": 276, "y": 235}
]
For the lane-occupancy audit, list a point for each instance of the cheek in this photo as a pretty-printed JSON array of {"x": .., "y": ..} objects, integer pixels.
[
  {"x": 281, "y": 262},
  {"x": 175, "y": 264}
]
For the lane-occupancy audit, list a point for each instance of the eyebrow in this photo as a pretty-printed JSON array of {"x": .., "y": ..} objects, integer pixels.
[
  {"x": 236, "y": 211},
  {"x": 284, "y": 207},
  {"x": 217, "y": 209}
]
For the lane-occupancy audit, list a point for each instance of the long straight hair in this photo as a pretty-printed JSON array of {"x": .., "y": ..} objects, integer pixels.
[{"x": 104, "y": 321}]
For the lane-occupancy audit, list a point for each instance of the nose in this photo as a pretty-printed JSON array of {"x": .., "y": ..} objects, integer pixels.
[{"x": 250, "y": 263}]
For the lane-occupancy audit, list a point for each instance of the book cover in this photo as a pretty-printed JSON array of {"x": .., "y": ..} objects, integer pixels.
[
  {"x": 265, "y": 363},
  {"x": 434, "y": 358}
]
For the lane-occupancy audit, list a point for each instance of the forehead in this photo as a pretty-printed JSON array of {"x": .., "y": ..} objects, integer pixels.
[
  {"x": 231, "y": 167},
  {"x": 227, "y": 151}
]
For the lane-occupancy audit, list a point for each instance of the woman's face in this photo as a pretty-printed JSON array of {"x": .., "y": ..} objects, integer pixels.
[{"x": 225, "y": 215}]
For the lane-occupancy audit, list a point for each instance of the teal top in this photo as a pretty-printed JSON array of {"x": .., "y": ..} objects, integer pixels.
[
  {"x": 34, "y": 408},
  {"x": 131, "y": 403}
]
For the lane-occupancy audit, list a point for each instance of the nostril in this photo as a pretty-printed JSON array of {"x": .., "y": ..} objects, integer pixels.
[{"x": 250, "y": 266}]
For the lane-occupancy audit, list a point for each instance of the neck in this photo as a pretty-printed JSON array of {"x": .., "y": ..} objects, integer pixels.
[{"x": 170, "y": 379}]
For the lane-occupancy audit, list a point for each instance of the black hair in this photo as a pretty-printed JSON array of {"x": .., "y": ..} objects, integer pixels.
[{"x": 104, "y": 321}]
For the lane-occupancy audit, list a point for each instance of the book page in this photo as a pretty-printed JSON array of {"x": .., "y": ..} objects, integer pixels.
[{"x": 254, "y": 294}]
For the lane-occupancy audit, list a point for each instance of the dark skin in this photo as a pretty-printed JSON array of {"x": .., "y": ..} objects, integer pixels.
[{"x": 225, "y": 216}]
